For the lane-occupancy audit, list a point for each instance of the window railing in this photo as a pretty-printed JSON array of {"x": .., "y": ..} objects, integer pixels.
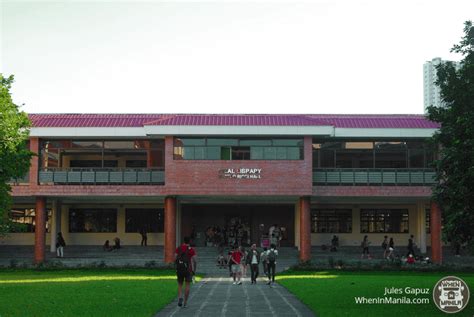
[
  {"x": 382, "y": 177},
  {"x": 102, "y": 176}
]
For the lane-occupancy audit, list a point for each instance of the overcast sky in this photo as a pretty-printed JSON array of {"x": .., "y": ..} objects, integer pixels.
[{"x": 330, "y": 56}]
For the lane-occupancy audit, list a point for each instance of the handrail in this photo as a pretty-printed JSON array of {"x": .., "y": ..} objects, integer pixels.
[
  {"x": 102, "y": 176},
  {"x": 374, "y": 176}
]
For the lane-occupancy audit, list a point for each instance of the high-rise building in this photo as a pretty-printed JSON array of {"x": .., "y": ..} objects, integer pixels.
[{"x": 431, "y": 92}]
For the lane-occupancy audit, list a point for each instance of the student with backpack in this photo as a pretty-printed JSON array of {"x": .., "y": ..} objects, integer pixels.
[
  {"x": 272, "y": 255},
  {"x": 185, "y": 259}
]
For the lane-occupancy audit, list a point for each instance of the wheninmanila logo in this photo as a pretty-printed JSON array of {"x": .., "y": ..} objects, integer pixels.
[
  {"x": 451, "y": 294},
  {"x": 240, "y": 173}
]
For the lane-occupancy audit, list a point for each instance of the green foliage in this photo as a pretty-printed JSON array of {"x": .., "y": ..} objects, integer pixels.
[
  {"x": 455, "y": 139},
  {"x": 14, "y": 156}
]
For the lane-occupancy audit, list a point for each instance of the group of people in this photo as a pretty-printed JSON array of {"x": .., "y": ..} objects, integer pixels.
[
  {"x": 108, "y": 247},
  {"x": 238, "y": 261},
  {"x": 236, "y": 232},
  {"x": 388, "y": 247}
]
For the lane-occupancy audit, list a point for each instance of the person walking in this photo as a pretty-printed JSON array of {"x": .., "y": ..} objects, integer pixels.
[
  {"x": 263, "y": 259},
  {"x": 144, "y": 237},
  {"x": 365, "y": 247},
  {"x": 236, "y": 259},
  {"x": 60, "y": 244},
  {"x": 253, "y": 259},
  {"x": 385, "y": 246},
  {"x": 185, "y": 259},
  {"x": 391, "y": 248},
  {"x": 411, "y": 246},
  {"x": 272, "y": 255}
]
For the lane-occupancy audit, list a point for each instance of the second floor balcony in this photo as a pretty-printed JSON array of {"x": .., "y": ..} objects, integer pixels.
[{"x": 101, "y": 176}]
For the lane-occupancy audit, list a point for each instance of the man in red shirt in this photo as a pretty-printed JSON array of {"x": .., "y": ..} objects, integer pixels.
[
  {"x": 185, "y": 258},
  {"x": 235, "y": 259}
]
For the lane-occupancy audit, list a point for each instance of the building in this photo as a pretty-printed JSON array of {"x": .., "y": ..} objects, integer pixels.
[
  {"x": 431, "y": 92},
  {"x": 98, "y": 176}
]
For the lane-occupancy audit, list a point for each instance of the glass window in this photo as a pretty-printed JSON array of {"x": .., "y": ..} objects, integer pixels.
[
  {"x": 193, "y": 142},
  {"x": 241, "y": 153},
  {"x": 327, "y": 158},
  {"x": 224, "y": 142},
  {"x": 135, "y": 164},
  {"x": 287, "y": 142},
  {"x": 416, "y": 157},
  {"x": 92, "y": 220},
  {"x": 256, "y": 142},
  {"x": 24, "y": 219},
  {"x": 269, "y": 153},
  {"x": 294, "y": 153},
  {"x": 213, "y": 153},
  {"x": 331, "y": 220},
  {"x": 151, "y": 220},
  {"x": 87, "y": 144},
  {"x": 120, "y": 145},
  {"x": 384, "y": 221},
  {"x": 199, "y": 153},
  {"x": 256, "y": 153}
]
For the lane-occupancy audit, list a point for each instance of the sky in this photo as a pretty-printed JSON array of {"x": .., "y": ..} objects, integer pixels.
[{"x": 334, "y": 56}]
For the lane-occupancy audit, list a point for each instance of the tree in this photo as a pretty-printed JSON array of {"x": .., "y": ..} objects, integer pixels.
[
  {"x": 454, "y": 191},
  {"x": 14, "y": 156}
]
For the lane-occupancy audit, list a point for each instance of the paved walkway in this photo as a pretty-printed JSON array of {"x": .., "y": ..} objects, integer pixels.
[{"x": 216, "y": 296}]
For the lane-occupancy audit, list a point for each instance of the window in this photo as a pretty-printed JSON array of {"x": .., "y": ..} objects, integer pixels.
[
  {"x": 92, "y": 220},
  {"x": 331, "y": 220},
  {"x": 24, "y": 219},
  {"x": 384, "y": 221},
  {"x": 372, "y": 154},
  {"x": 151, "y": 220},
  {"x": 238, "y": 149}
]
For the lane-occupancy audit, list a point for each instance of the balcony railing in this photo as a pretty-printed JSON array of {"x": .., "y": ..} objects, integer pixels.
[
  {"x": 102, "y": 176},
  {"x": 367, "y": 177},
  {"x": 22, "y": 180}
]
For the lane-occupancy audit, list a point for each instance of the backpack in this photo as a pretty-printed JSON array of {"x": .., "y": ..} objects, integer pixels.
[
  {"x": 182, "y": 262},
  {"x": 271, "y": 256}
]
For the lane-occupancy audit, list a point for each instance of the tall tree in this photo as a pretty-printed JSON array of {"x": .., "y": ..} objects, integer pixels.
[
  {"x": 454, "y": 191},
  {"x": 14, "y": 156}
]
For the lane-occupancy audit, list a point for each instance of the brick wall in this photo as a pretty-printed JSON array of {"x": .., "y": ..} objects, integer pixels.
[{"x": 196, "y": 177}]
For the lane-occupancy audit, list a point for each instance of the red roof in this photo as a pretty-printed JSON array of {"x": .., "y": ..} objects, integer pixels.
[{"x": 140, "y": 120}]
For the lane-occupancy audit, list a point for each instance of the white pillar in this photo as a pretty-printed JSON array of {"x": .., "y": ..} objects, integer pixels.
[
  {"x": 421, "y": 217},
  {"x": 53, "y": 225}
]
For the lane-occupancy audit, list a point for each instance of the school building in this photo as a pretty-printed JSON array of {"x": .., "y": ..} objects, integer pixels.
[{"x": 101, "y": 176}]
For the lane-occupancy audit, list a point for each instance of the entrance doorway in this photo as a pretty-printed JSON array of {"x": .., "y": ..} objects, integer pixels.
[{"x": 211, "y": 224}]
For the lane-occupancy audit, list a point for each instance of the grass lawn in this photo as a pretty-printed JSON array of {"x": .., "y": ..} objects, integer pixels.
[
  {"x": 332, "y": 293},
  {"x": 85, "y": 292}
]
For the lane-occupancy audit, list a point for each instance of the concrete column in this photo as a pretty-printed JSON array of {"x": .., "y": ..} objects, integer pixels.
[
  {"x": 435, "y": 222},
  {"x": 53, "y": 229},
  {"x": 297, "y": 225},
  {"x": 305, "y": 229},
  {"x": 170, "y": 229},
  {"x": 421, "y": 217},
  {"x": 40, "y": 229},
  {"x": 35, "y": 161}
]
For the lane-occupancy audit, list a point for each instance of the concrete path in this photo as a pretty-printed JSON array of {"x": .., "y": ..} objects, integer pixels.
[{"x": 216, "y": 296}]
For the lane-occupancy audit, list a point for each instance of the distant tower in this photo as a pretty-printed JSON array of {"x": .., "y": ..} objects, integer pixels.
[{"x": 431, "y": 92}]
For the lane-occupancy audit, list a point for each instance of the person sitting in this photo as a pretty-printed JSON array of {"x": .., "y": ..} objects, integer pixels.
[
  {"x": 106, "y": 246},
  {"x": 411, "y": 259},
  {"x": 116, "y": 244}
]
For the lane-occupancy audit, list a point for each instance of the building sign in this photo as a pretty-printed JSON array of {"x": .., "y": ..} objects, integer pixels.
[{"x": 241, "y": 173}]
